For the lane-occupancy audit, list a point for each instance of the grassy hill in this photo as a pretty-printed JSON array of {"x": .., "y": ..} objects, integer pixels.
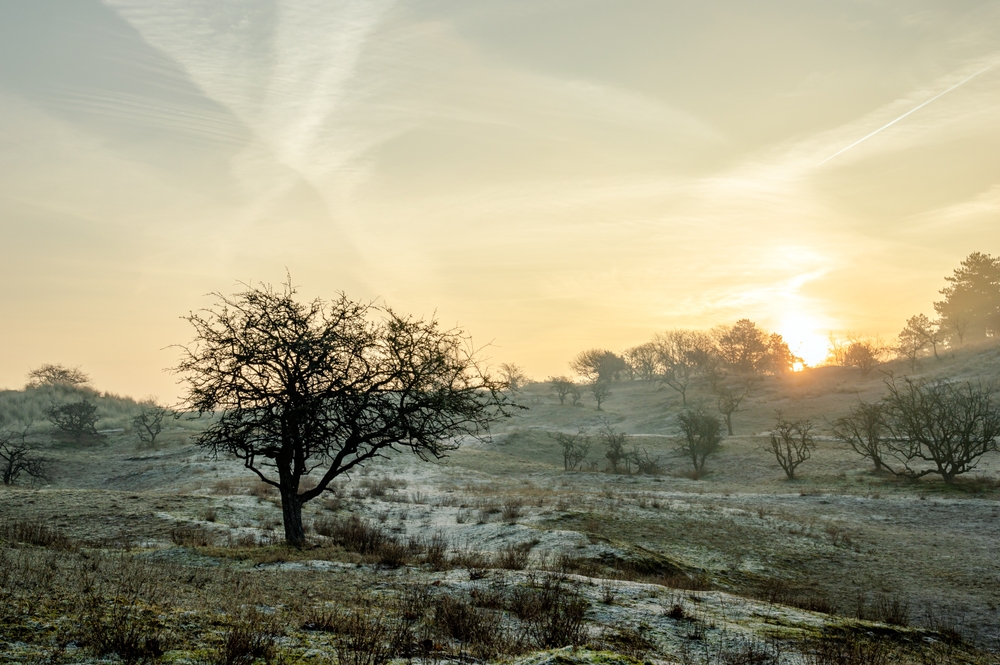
[{"x": 473, "y": 556}]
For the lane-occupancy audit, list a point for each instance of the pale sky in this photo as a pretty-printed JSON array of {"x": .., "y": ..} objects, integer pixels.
[{"x": 549, "y": 175}]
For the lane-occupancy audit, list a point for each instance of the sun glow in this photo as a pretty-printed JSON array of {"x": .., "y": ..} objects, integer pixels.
[{"x": 804, "y": 336}]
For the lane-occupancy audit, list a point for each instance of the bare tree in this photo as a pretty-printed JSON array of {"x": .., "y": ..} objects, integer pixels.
[
  {"x": 958, "y": 323},
  {"x": 922, "y": 328},
  {"x": 730, "y": 394},
  {"x": 865, "y": 431},
  {"x": 791, "y": 443},
  {"x": 575, "y": 448},
  {"x": 909, "y": 345},
  {"x": 563, "y": 388},
  {"x": 148, "y": 423},
  {"x": 328, "y": 387},
  {"x": 599, "y": 365},
  {"x": 837, "y": 353},
  {"x": 864, "y": 353},
  {"x": 513, "y": 376},
  {"x": 644, "y": 464},
  {"x": 702, "y": 435},
  {"x": 643, "y": 361},
  {"x": 938, "y": 427},
  {"x": 614, "y": 444},
  {"x": 76, "y": 418},
  {"x": 18, "y": 456},
  {"x": 601, "y": 390},
  {"x": 56, "y": 375},
  {"x": 681, "y": 355}
]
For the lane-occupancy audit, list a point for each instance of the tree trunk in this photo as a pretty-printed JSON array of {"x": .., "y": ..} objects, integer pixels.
[
  {"x": 291, "y": 515},
  {"x": 684, "y": 398},
  {"x": 729, "y": 423}
]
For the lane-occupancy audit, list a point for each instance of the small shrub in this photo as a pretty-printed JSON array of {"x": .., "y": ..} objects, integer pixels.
[
  {"x": 191, "y": 535},
  {"x": 242, "y": 541},
  {"x": 683, "y": 582},
  {"x": 412, "y": 605},
  {"x": 115, "y": 615},
  {"x": 749, "y": 651},
  {"x": 248, "y": 638},
  {"x": 481, "y": 630},
  {"x": 262, "y": 490},
  {"x": 553, "y": 613},
  {"x": 630, "y": 641},
  {"x": 510, "y": 510},
  {"x": 332, "y": 503},
  {"x": 365, "y": 538},
  {"x": 892, "y": 610},
  {"x": 777, "y": 592},
  {"x": 514, "y": 556},
  {"x": 849, "y": 649},
  {"x": 676, "y": 612},
  {"x": 369, "y": 637},
  {"x": 436, "y": 550},
  {"x": 77, "y": 419},
  {"x": 609, "y": 591},
  {"x": 35, "y": 533}
]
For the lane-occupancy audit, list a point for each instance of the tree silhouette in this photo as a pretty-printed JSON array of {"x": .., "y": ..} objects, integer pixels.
[
  {"x": 971, "y": 302},
  {"x": 327, "y": 387}
]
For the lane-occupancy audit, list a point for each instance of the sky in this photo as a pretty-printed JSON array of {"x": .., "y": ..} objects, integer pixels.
[{"x": 548, "y": 175}]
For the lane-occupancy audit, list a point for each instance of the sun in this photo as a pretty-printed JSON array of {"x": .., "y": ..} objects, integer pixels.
[{"x": 804, "y": 336}]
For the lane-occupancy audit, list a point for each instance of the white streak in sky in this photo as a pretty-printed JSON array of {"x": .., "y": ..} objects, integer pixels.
[
  {"x": 280, "y": 67},
  {"x": 913, "y": 110}
]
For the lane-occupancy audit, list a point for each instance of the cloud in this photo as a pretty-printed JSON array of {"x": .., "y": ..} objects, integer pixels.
[{"x": 281, "y": 68}]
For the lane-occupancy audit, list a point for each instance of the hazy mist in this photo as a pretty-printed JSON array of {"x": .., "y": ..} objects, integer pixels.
[{"x": 551, "y": 176}]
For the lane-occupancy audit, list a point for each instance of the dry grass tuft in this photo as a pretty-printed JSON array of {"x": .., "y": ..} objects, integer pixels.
[{"x": 23, "y": 532}]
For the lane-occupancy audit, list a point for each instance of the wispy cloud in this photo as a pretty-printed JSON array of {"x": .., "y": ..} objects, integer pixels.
[
  {"x": 281, "y": 68},
  {"x": 910, "y": 112}
]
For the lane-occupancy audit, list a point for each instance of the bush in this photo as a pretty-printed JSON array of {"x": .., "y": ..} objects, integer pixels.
[
  {"x": 191, "y": 535},
  {"x": 553, "y": 613},
  {"x": 116, "y": 617},
  {"x": 630, "y": 641},
  {"x": 791, "y": 443},
  {"x": 148, "y": 423},
  {"x": 18, "y": 456},
  {"x": 946, "y": 427},
  {"x": 35, "y": 533},
  {"x": 369, "y": 637},
  {"x": 702, "y": 436},
  {"x": 514, "y": 557},
  {"x": 575, "y": 448},
  {"x": 849, "y": 649},
  {"x": 76, "y": 418},
  {"x": 370, "y": 540},
  {"x": 249, "y": 637},
  {"x": 510, "y": 510},
  {"x": 481, "y": 630}
]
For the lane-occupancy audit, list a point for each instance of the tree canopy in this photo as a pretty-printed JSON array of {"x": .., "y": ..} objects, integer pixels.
[
  {"x": 747, "y": 348},
  {"x": 971, "y": 304},
  {"x": 56, "y": 375},
  {"x": 325, "y": 387}
]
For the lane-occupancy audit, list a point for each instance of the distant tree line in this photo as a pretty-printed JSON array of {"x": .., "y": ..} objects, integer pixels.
[
  {"x": 729, "y": 359},
  {"x": 968, "y": 313}
]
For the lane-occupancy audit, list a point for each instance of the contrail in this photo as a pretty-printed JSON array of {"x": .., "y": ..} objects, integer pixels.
[{"x": 913, "y": 110}]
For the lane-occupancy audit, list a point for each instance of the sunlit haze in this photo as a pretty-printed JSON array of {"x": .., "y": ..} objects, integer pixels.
[{"x": 551, "y": 176}]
